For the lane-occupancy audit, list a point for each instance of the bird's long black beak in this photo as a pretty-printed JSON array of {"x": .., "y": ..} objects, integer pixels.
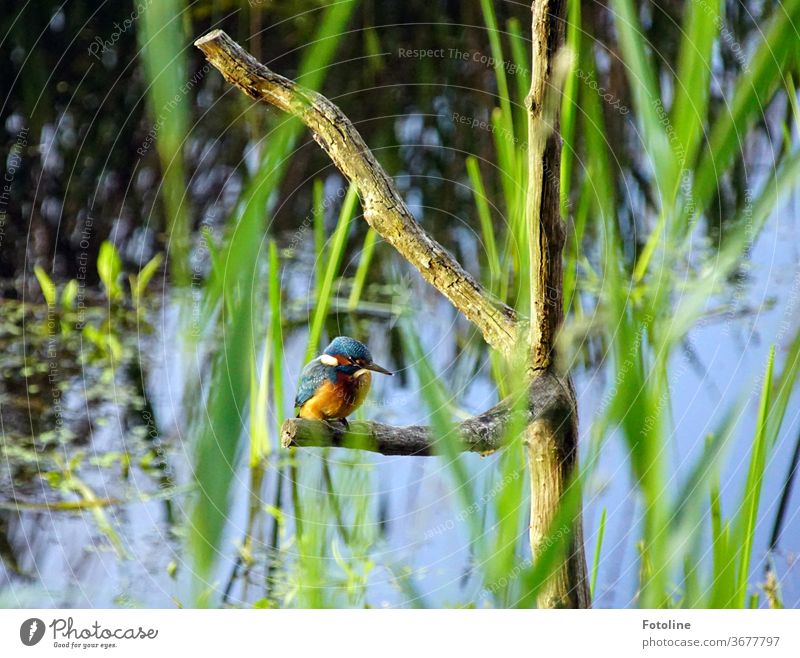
[{"x": 376, "y": 368}]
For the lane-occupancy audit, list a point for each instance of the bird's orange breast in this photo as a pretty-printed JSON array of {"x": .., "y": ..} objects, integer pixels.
[{"x": 337, "y": 400}]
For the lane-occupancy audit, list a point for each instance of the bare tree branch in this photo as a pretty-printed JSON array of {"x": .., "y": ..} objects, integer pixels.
[
  {"x": 482, "y": 434},
  {"x": 384, "y": 208},
  {"x": 548, "y": 400}
]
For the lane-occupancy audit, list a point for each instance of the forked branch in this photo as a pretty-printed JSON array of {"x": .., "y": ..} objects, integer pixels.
[
  {"x": 384, "y": 208},
  {"x": 548, "y": 401},
  {"x": 550, "y": 414}
]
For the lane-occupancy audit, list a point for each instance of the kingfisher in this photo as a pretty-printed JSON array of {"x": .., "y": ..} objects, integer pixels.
[{"x": 334, "y": 385}]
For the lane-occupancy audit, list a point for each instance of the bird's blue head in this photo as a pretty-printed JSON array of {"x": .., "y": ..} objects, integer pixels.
[
  {"x": 348, "y": 347},
  {"x": 350, "y": 356}
]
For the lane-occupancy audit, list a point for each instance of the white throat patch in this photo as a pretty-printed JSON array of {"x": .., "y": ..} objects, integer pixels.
[{"x": 329, "y": 360}]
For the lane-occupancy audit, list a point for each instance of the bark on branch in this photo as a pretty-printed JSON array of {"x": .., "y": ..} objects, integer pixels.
[
  {"x": 384, "y": 208},
  {"x": 552, "y": 448},
  {"x": 481, "y": 434},
  {"x": 543, "y": 213},
  {"x": 548, "y": 401}
]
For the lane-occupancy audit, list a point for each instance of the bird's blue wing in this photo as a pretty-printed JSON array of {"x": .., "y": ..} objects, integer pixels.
[{"x": 311, "y": 379}]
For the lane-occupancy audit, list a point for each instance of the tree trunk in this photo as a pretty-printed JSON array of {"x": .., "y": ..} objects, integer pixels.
[{"x": 552, "y": 441}]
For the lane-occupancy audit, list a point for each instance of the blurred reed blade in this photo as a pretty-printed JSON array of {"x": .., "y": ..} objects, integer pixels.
[
  {"x": 784, "y": 388},
  {"x": 259, "y": 393},
  {"x": 216, "y": 430},
  {"x": 218, "y": 422},
  {"x": 692, "y": 80},
  {"x": 318, "y": 199},
  {"x": 522, "y": 64},
  {"x": 650, "y": 111},
  {"x": 333, "y": 259},
  {"x": 786, "y": 495},
  {"x": 239, "y": 254},
  {"x": 601, "y": 530},
  {"x": 276, "y": 333},
  {"x": 498, "y": 276},
  {"x": 507, "y": 501},
  {"x": 504, "y": 134},
  {"x": 599, "y": 179},
  {"x": 365, "y": 260},
  {"x": 569, "y": 107},
  {"x": 684, "y": 125},
  {"x": 324, "y": 290},
  {"x": 499, "y": 63},
  {"x": 724, "y": 562},
  {"x": 47, "y": 286},
  {"x": 745, "y": 524},
  {"x": 445, "y": 443},
  {"x": 687, "y": 537},
  {"x": 754, "y": 87},
  {"x": 507, "y": 160},
  {"x": 745, "y": 227},
  {"x": 501, "y": 552},
  {"x": 487, "y": 229},
  {"x": 163, "y": 43}
]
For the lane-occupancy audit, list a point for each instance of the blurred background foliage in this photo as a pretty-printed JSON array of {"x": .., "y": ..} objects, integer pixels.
[
  {"x": 179, "y": 253},
  {"x": 91, "y": 123}
]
